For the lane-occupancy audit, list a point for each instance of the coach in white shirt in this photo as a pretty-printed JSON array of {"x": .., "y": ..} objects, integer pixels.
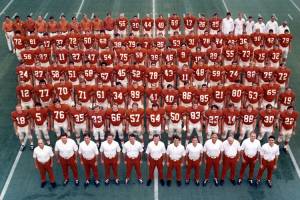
[
  {"x": 43, "y": 160},
  {"x": 239, "y": 24},
  {"x": 88, "y": 153},
  {"x": 194, "y": 152},
  {"x": 249, "y": 24},
  {"x": 284, "y": 26},
  {"x": 133, "y": 151},
  {"x": 231, "y": 155},
  {"x": 66, "y": 153},
  {"x": 175, "y": 159},
  {"x": 227, "y": 24},
  {"x": 110, "y": 157},
  {"x": 260, "y": 25},
  {"x": 156, "y": 151},
  {"x": 212, "y": 157},
  {"x": 269, "y": 154},
  {"x": 272, "y": 24},
  {"x": 250, "y": 153}
]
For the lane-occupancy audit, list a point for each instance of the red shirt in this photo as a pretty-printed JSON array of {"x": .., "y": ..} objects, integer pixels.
[
  {"x": 251, "y": 73},
  {"x": 102, "y": 93},
  {"x": 275, "y": 55},
  {"x": 215, "y": 23},
  {"x": 155, "y": 118},
  {"x": 115, "y": 117},
  {"x": 174, "y": 22},
  {"x": 287, "y": 98},
  {"x": 205, "y": 40},
  {"x": 219, "y": 93},
  {"x": 268, "y": 118},
  {"x": 200, "y": 72},
  {"x": 83, "y": 94},
  {"x": 185, "y": 74},
  {"x": 183, "y": 55},
  {"x": 213, "y": 117},
  {"x": 25, "y": 92},
  {"x": 195, "y": 115},
  {"x": 135, "y": 94},
  {"x": 135, "y": 24},
  {"x": 137, "y": 72},
  {"x": 105, "y": 74},
  {"x": 285, "y": 40},
  {"x": 102, "y": 40},
  {"x": 44, "y": 93},
  {"x": 169, "y": 96},
  {"x": 282, "y": 75},
  {"x": 288, "y": 120},
  {"x": 135, "y": 117},
  {"x": 107, "y": 56},
  {"x": 154, "y": 94},
  {"x": 247, "y": 117},
  {"x": 189, "y": 22},
  {"x": 202, "y": 23},
  {"x": 175, "y": 114},
  {"x": 21, "y": 119},
  {"x": 79, "y": 116},
  {"x": 176, "y": 41},
  {"x": 147, "y": 23},
  {"x": 270, "y": 91},
  {"x": 169, "y": 72},
  {"x": 59, "y": 114},
  {"x": 233, "y": 73},
  {"x": 160, "y": 24},
  {"x": 39, "y": 73},
  {"x": 43, "y": 56},
  {"x": 40, "y": 116},
  {"x": 245, "y": 54},
  {"x": 216, "y": 73},
  {"x": 63, "y": 90},
  {"x": 121, "y": 72},
  {"x": 169, "y": 55},
  {"x": 153, "y": 74},
  {"x": 28, "y": 56},
  {"x": 118, "y": 95},
  {"x": 24, "y": 73},
  {"x": 89, "y": 72},
  {"x": 72, "y": 73},
  {"x": 253, "y": 94},
  {"x": 213, "y": 54},
  {"x": 204, "y": 96},
  {"x": 186, "y": 95},
  {"x": 55, "y": 72},
  {"x": 230, "y": 117},
  {"x": 235, "y": 92},
  {"x": 92, "y": 56},
  {"x": 121, "y": 23},
  {"x": 97, "y": 118}
]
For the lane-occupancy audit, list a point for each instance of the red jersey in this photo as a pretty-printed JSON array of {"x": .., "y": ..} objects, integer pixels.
[
  {"x": 55, "y": 72},
  {"x": 59, "y": 40},
  {"x": 175, "y": 114},
  {"x": 216, "y": 73},
  {"x": 169, "y": 96},
  {"x": 285, "y": 40},
  {"x": 270, "y": 40},
  {"x": 139, "y": 55},
  {"x": 24, "y": 73},
  {"x": 21, "y": 119},
  {"x": 282, "y": 75},
  {"x": 213, "y": 117},
  {"x": 267, "y": 74},
  {"x": 121, "y": 72},
  {"x": 137, "y": 72},
  {"x": 257, "y": 39},
  {"x": 288, "y": 120},
  {"x": 118, "y": 95},
  {"x": 275, "y": 55},
  {"x": 105, "y": 74},
  {"x": 169, "y": 55},
  {"x": 197, "y": 56},
  {"x": 61, "y": 55},
  {"x": 229, "y": 52},
  {"x": 154, "y": 94},
  {"x": 243, "y": 39},
  {"x": 219, "y": 40},
  {"x": 92, "y": 56},
  {"x": 117, "y": 42},
  {"x": 83, "y": 94},
  {"x": 72, "y": 73},
  {"x": 213, "y": 54},
  {"x": 253, "y": 94},
  {"x": 44, "y": 92},
  {"x": 183, "y": 55},
  {"x": 287, "y": 98},
  {"x": 204, "y": 96},
  {"x": 25, "y": 92},
  {"x": 189, "y": 22},
  {"x": 121, "y": 23},
  {"x": 153, "y": 74},
  {"x": 160, "y": 42},
  {"x": 136, "y": 94},
  {"x": 215, "y": 23},
  {"x": 131, "y": 42},
  {"x": 135, "y": 24},
  {"x": 154, "y": 55},
  {"x": 270, "y": 91},
  {"x": 39, "y": 116},
  {"x": 218, "y": 93},
  {"x": 107, "y": 56},
  {"x": 147, "y": 23},
  {"x": 160, "y": 24},
  {"x": 251, "y": 73},
  {"x": 169, "y": 72},
  {"x": 73, "y": 39},
  {"x": 146, "y": 42},
  {"x": 260, "y": 55},
  {"x": 79, "y": 116},
  {"x": 76, "y": 55},
  {"x": 115, "y": 117},
  {"x": 19, "y": 42},
  {"x": 245, "y": 54},
  {"x": 39, "y": 73},
  {"x": 59, "y": 114},
  {"x": 102, "y": 93},
  {"x": 89, "y": 72},
  {"x": 205, "y": 40},
  {"x": 135, "y": 117},
  {"x": 97, "y": 118},
  {"x": 268, "y": 119},
  {"x": 230, "y": 117},
  {"x": 233, "y": 73},
  {"x": 247, "y": 117},
  {"x": 102, "y": 40},
  {"x": 155, "y": 117},
  {"x": 186, "y": 95},
  {"x": 28, "y": 57},
  {"x": 63, "y": 90},
  {"x": 176, "y": 41},
  {"x": 174, "y": 22},
  {"x": 235, "y": 92},
  {"x": 43, "y": 56},
  {"x": 202, "y": 23},
  {"x": 185, "y": 74},
  {"x": 200, "y": 72},
  {"x": 123, "y": 55},
  {"x": 195, "y": 115}
]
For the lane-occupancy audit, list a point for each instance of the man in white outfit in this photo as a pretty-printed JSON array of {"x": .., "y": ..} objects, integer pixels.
[
  {"x": 227, "y": 24},
  {"x": 283, "y": 27},
  {"x": 272, "y": 24},
  {"x": 239, "y": 24},
  {"x": 260, "y": 25},
  {"x": 249, "y": 24}
]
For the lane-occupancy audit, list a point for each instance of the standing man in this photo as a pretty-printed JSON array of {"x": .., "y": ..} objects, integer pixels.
[
  {"x": 250, "y": 153},
  {"x": 66, "y": 154},
  {"x": 133, "y": 152},
  {"x": 88, "y": 152},
  {"x": 212, "y": 157},
  {"x": 231, "y": 156},
  {"x": 194, "y": 153},
  {"x": 175, "y": 159},
  {"x": 269, "y": 154},
  {"x": 156, "y": 151},
  {"x": 110, "y": 157},
  {"x": 43, "y": 161},
  {"x": 8, "y": 29}
]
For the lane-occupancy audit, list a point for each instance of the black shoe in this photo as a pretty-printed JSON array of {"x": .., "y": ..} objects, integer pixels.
[
  {"x": 106, "y": 182},
  {"x": 239, "y": 181},
  {"x": 284, "y": 149},
  {"x": 269, "y": 183},
  {"x": 222, "y": 182},
  {"x": 140, "y": 181},
  {"x": 250, "y": 181},
  {"x": 53, "y": 185},
  {"x": 178, "y": 183},
  {"x": 257, "y": 183},
  {"x": 76, "y": 182},
  {"x": 162, "y": 182},
  {"x": 233, "y": 182},
  {"x": 187, "y": 182},
  {"x": 87, "y": 183},
  {"x": 197, "y": 182},
  {"x": 216, "y": 182},
  {"x": 204, "y": 183},
  {"x": 149, "y": 182},
  {"x": 96, "y": 183},
  {"x": 31, "y": 147},
  {"x": 43, "y": 184},
  {"x": 168, "y": 183},
  {"x": 66, "y": 182},
  {"x": 117, "y": 181},
  {"x": 22, "y": 147}
]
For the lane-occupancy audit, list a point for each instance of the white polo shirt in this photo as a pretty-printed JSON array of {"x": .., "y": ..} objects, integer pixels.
[
  {"x": 227, "y": 25},
  {"x": 194, "y": 152},
  {"x": 282, "y": 28},
  {"x": 88, "y": 151},
  {"x": 260, "y": 26},
  {"x": 175, "y": 152},
  {"x": 273, "y": 26},
  {"x": 249, "y": 27},
  {"x": 213, "y": 149},
  {"x": 110, "y": 150},
  {"x": 156, "y": 151},
  {"x": 239, "y": 25},
  {"x": 67, "y": 150},
  {"x": 251, "y": 148},
  {"x": 269, "y": 153},
  {"x": 44, "y": 154},
  {"x": 132, "y": 150},
  {"x": 231, "y": 150}
]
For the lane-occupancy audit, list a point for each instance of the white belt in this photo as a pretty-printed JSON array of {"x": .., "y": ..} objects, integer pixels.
[
  {"x": 230, "y": 156},
  {"x": 213, "y": 157},
  {"x": 132, "y": 157},
  {"x": 110, "y": 157},
  {"x": 194, "y": 159},
  {"x": 250, "y": 156},
  {"x": 155, "y": 158}
]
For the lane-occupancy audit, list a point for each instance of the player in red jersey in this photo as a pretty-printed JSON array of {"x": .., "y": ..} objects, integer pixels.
[
  {"x": 136, "y": 74},
  {"x": 107, "y": 57},
  {"x": 40, "y": 120},
  {"x": 115, "y": 120},
  {"x": 232, "y": 74},
  {"x": 219, "y": 40},
  {"x": 161, "y": 25},
  {"x": 243, "y": 39},
  {"x": 183, "y": 55},
  {"x": 266, "y": 74},
  {"x": 282, "y": 76},
  {"x": 260, "y": 56},
  {"x": 136, "y": 94},
  {"x": 84, "y": 94},
  {"x": 176, "y": 40},
  {"x": 135, "y": 26},
  {"x": 219, "y": 95},
  {"x": 25, "y": 95},
  {"x": 155, "y": 120},
  {"x": 21, "y": 122},
  {"x": 102, "y": 40},
  {"x": 147, "y": 25},
  {"x": 286, "y": 99},
  {"x": 102, "y": 95},
  {"x": 44, "y": 93},
  {"x": 59, "y": 40},
  {"x": 119, "y": 95},
  {"x": 146, "y": 42},
  {"x": 19, "y": 42},
  {"x": 229, "y": 53},
  {"x": 245, "y": 53},
  {"x": 205, "y": 41},
  {"x": 43, "y": 56},
  {"x": 215, "y": 24},
  {"x": 131, "y": 41},
  {"x": 213, "y": 54},
  {"x": 135, "y": 121},
  {"x": 153, "y": 75},
  {"x": 117, "y": 42},
  {"x": 175, "y": 120},
  {"x": 39, "y": 73},
  {"x": 121, "y": 25},
  {"x": 153, "y": 94},
  {"x": 89, "y": 73},
  {"x": 123, "y": 55},
  {"x": 24, "y": 74},
  {"x": 270, "y": 94},
  {"x": 235, "y": 94},
  {"x": 231, "y": 39},
  {"x": 197, "y": 56},
  {"x": 97, "y": 124},
  {"x": 97, "y": 25},
  {"x": 204, "y": 96},
  {"x": 160, "y": 42},
  {"x": 202, "y": 24},
  {"x": 275, "y": 56},
  {"x": 105, "y": 74},
  {"x": 267, "y": 122},
  {"x": 184, "y": 74},
  {"x": 169, "y": 55},
  {"x": 61, "y": 56},
  {"x": 174, "y": 22},
  {"x": 76, "y": 55},
  {"x": 72, "y": 73},
  {"x": 139, "y": 55},
  {"x": 64, "y": 92},
  {"x": 213, "y": 121},
  {"x": 79, "y": 120},
  {"x": 168, "y": 75},
  {"x": 186, "y": 95},
  {"x": 257, "y": 39},
  {"x": 192, "y": 40},
  {"x": 91, "y": 56},
  {"x": 55, "y": 72},
  {"x": 189, "y": 22},
  {"x": 200, "y": 74},
  {"x": 154, "y": 56},
  {"x": 285, "y": 43},
  {"x": 194, "y": 121},
  {"x": 253, "y": 95},
  {"x": 59, "y": 118},
  {"x": 109, "y": 24},
  {"x": 250, "y": 75},
  {"x": 216, "y": 74},
  {"x": 230, "y": 121},
  {"x": 248, "y": 120},
  {"x": 28, "y": 56},
  {"x": 169, "y": 96},
  {"x": 74, "y": 39},
  {"x": 287, "y": 126}
]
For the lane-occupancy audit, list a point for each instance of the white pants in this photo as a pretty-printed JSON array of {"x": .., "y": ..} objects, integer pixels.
[
  {"x": 174, "y": 129},
  {"x": 114, "y": 130},
  {"x": 210, "y": 130},
  {"x": 79, "y": 128},
  {"x": 228, "y": 129},
  {"x": 103, "y": 104},
  {"x": 137, "y": 130},
  {"x": 58, "y": 126},
  {"x": 245, "y": 129},
  {"x": 264, "y": 103},
  {"x": 136, "y": 33},
  {"x": 41, "y": 131},
  {"x": 69, "y": 101},
  {"x": 285, "y": 52},
  {"x": 27, "y": 104},
  {"x": 9, "y": 39},
  {"x": 24, "y": 131},
  {"x": 163, "y": 32},
  {"x": 244, "y": 64},
  {"x": 187, "y": 31},
  {"x": 227, "y": 62},
  {"x": 265, "y": 130},
  {"x": 154, "y": 130},
  {"x": 18, "y": 53},
  {"x": 99, "y": 133},
  {"x": 172, "y": 31},
  {"x": 197, "y": 127},
  {"x": 285, "y": 135}
]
